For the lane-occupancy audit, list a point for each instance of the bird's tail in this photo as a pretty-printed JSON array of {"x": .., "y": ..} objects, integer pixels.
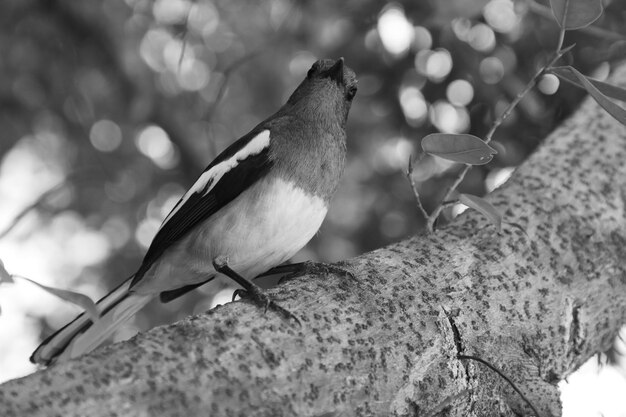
[{"x": 82, "y": 335}]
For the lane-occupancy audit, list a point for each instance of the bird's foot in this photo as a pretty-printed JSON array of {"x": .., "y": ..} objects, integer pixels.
[
  {"x": 251, "y": 291},
  {"x": 260, "y": 298}
]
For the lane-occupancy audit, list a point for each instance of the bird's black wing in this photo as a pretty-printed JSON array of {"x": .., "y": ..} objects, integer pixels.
[{"x": 240, "y": 165}]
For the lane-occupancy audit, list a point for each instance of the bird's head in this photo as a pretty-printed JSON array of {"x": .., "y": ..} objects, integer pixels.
[{"x": 326, "y": 92}]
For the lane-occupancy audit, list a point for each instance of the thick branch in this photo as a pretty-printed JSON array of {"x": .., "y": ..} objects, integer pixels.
[{"x": 535, "y": 301}]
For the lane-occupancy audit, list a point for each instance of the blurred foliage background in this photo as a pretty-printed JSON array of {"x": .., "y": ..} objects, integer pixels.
[{"x": 110, "y": 109}]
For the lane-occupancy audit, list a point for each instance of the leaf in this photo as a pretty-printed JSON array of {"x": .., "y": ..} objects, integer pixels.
[
  {"x": 76, "y": 298},
  {"x": 613, "y": 109},
  {"x": 483, "y": 206},
  {"x": 4, "y": 274},
  {"x": 613, "y": 91},
  {"x": 464, "y": 148},
  {"x": 576, "y": 14}
]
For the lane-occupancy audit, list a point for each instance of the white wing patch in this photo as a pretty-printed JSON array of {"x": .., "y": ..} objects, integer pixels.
[{"x": 213, "y": 175}]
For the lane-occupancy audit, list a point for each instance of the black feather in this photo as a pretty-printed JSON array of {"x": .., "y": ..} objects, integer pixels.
[
  {"x": 167, "y": 296},
  {"x": 200, "y": 207}
]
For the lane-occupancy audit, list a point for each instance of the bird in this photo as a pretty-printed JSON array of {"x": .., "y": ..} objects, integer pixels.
[{"x": 255, "y": 205}]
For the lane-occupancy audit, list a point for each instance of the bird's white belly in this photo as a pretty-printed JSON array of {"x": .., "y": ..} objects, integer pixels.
[
  {"x": 263, "y": 227},
  {"x": 261, "y": 232}
]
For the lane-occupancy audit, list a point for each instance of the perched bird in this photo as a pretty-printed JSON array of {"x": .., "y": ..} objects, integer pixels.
[{"x": 259, "y": 202}]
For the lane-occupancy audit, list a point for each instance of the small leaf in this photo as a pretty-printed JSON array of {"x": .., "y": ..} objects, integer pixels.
[
  {"x": 576, "y": 14},
  {"x": 78, "y": 299},
  {"x": 613, "y": 109},
  {"x": 483, "y": 206},
  {"x": 463, "y": 148},
  {"x": 613, "y": 91},
  {"x": 4, "y": 275}
]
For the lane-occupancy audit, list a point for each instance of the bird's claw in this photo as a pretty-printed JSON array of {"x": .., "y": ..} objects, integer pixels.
[
  {"x": 250, "y": 290},
  {"x": 259, "y": 297}
]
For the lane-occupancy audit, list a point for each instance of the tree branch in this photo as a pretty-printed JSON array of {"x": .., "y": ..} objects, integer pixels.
[{"x": 537, "y": 303}]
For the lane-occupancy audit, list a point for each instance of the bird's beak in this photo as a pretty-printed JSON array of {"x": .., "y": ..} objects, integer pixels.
[{"x": 336, "y": 71}]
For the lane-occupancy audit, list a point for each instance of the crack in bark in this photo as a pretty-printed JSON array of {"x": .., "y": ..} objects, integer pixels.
[
  {"x": 576, "y": 336},
  {"x": 458, "y": 341}
]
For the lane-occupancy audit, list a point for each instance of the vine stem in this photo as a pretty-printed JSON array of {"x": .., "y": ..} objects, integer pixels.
[
  {"x": 507, "y": 379},
  {"x": 430, "y": 221},
  {"x": 409, "y": 174}
]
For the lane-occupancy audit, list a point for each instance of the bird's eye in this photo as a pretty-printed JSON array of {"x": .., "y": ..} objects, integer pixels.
[{"x": 351, "y": 92}]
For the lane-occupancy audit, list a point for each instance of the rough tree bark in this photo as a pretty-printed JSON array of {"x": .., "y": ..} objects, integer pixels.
[{"x": 536, "y": 300}]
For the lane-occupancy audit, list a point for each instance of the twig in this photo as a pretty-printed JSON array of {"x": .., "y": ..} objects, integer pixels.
[
  {"x": 72, "y": 177},
  {"x": 184, "y": 36},
  {"x": 36, "y": 204},
  {"x": 430, "y": 222},
  {"x": 222, "y": 90},
  {"x": 409, "y": 175},
  {"x": 506, "y": 113},
  {"x": 494, "y": 369},
  {"x": 227, "y": 74},
  {"x": 238, "y": 63}
]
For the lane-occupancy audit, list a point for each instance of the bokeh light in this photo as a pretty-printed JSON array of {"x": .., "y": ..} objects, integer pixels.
[
  {"x": 395, "y": 31},
  {"x": 461, "y": 28},
  {"x": 193, "y": 75},
  {"x": 491, "y": 70},
  {"x": 173, "y": 55},
  {"x": 170, "y": 11},
  {"x": 501, "y": 15},
  {"x": 117, "y": 231},
  {"x": 449, "y": 118},
  {"x": 154, "y": 143},
  {"x": 497, "y": 177},
  {"x": 482, "y": 38},
  {"x": 146, "y": 231},
  {"x": 393, "y": 155},
  {"x": 434, "y": 64},
  {"x": 301, "y": 62},
  {"x": 152, "y": 46},
  {"x": 548, "y": 84},
  {"x": 414, "y": 105},
  {"x": 594, "y": 390},
  {"x": 203, "y": 17},
  {"x": 423, "y": 38},
  {"x": 105, "y": 135},
  {"x": 438, "y": 65},
  {"x": 460, "y": 92}
]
